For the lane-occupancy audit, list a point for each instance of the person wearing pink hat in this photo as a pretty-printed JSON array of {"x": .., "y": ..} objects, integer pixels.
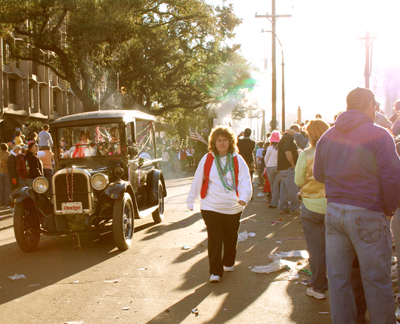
[{"x": 271, "y": 163}]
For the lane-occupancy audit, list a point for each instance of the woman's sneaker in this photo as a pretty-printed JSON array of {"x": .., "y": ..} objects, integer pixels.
[
  {"x": 312, "y": 293},
  {"x": 215, "y": 278},
  {"x": 228, "y": 269}
]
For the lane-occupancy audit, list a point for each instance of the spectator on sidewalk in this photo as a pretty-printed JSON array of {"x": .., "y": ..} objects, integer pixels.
[
  {"x": 26, "y": 130},
  {"x": 287, "y": 158},
  {"x": 4, "y": 181},
  {"x": 182, "y": 156},
  {"x": 396, "y": 110},
  {"x": 358, "y": 163},
  {"x": 18, "y": 139},
  {"x": 165, "y": 160},
  {"x": 224, "y": 193},
  {"x": 47, "y": 162},
  {"x": 313, "y": 211},
  {"x": 271, "y": 163},
  {"x": 21, "y": 167},
  {"x": 190, "y": 155},
  {"x": 380, "y": 118},
  {"x": 45, "y": 139},
  {"x": 260, "y": 163},
  {"x": 246, "y": 148},
  {"x": 12, "y": 167},
  {"x": 34, "y": 164}
]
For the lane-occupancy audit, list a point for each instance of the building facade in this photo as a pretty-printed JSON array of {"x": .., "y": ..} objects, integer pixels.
[{"x": 30, "y": 92}]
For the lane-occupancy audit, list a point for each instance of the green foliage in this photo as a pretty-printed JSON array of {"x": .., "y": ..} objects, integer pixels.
[
  {"x": 35, "y": 126},
  {"x": 168, "y": 54}
]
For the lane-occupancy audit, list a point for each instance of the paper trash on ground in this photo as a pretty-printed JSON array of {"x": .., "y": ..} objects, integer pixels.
[
  {"x": 17, "y": 276},
  {"x": 244, "y": 236},
  {"x": 276, "y": 266},
  {"x": 291, "y": 254}
]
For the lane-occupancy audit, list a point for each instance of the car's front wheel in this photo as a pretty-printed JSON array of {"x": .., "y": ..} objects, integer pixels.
[
  {"x": 26, "y": 226},
  {"x": 158, "y": 214},
  {"x": 123, "y": 222}
]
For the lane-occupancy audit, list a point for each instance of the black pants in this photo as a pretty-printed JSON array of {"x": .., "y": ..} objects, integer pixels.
[{"x": 222, "y": 230}]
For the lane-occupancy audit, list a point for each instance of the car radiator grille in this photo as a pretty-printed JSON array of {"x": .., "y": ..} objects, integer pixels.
[{"x": 80, "y": 192}]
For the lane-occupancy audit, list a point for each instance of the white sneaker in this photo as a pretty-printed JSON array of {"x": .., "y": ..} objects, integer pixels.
[
  {"x": 310, "y": 292},
  {"x": 215, "y": 278},
  {"x": 228, "y": 269},
  {"x": 398, "y": 314}
]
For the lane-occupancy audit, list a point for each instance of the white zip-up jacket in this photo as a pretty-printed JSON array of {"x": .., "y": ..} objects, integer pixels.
[{"x": 218, "y": 199}]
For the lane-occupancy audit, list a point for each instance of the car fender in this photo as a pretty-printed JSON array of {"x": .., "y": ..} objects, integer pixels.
[
  {"x": 117, "y": 189},
  {"x": 154, "y": 177},
  {"x": 22, "y": 194}
]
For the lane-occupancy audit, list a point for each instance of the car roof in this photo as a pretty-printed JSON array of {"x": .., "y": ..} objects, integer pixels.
[{"x": 102, "y": 116}]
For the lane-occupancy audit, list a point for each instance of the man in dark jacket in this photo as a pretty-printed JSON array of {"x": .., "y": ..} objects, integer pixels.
[
  {"x": 246, "y": 148},
  {"x": 358, "y": 163},
  {"x": 12, "y": 167}
]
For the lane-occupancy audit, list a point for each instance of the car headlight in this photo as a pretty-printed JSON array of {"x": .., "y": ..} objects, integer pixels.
[
  {"x": 40, "y": 185},
  {"x": 99, "y": 181}
]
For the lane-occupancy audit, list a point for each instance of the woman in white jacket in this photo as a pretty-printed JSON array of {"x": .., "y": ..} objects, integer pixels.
[{"x": 222, "y": 180}]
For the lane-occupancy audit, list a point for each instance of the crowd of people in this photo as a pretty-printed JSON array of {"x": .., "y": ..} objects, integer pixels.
[
  {"x": 342, "y": 179},
  {"x": 27, "y": 156},
  {"x": 177, "y": 158}
]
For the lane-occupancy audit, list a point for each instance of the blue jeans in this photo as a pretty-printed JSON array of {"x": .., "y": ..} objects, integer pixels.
[
  {"x": 288, "y": 189},
  {"x": 274, "y": 179},
  {"x": 4, "y": 190},
  {"x": 396, "y": 234},
  {"x": 359, "y": 232},
  {"x": 314, "y": 233}
]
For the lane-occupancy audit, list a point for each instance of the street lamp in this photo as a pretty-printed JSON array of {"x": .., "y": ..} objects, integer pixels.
[{"x": 283, "y": 77}]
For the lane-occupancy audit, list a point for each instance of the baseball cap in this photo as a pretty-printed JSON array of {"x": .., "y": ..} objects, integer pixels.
[{"x": 359, "y": 97}]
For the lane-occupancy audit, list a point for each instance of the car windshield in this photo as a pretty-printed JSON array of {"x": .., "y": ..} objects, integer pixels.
[{"x": 89, "y": 141}]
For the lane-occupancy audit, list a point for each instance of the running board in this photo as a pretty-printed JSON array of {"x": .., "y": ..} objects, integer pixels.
[{"x": 143, "y": 213}]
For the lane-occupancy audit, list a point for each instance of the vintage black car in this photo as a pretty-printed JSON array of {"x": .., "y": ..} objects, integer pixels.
[{"x": 106, "y": 175}]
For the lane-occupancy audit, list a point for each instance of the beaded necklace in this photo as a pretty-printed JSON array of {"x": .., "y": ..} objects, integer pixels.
[{"x": 223, "y": 170}]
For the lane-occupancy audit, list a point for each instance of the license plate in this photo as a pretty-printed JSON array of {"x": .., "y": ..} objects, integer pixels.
[{"x": 72, "y": 208}]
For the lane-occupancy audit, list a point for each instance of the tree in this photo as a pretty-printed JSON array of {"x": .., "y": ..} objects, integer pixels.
[{"x": 167, "y": 54}]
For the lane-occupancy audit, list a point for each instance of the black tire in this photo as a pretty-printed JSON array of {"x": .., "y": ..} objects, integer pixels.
[
  {"x": 26, "y": 226},
  {"x": 158, "y": 214},
  {"x": 123, "y": 216}
]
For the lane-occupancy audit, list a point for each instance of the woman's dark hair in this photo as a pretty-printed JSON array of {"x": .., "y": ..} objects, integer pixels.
[
  {"x": 3, "y": 146},
  {"x": 18, "y": 133},
  {"x": 275, "y": 145}
]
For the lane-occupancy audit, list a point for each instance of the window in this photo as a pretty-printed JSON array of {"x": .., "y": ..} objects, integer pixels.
[
  {"x": 88, "y": 141},
  {"x": 11, "y": 91},
  {"x": 145, "y": 139}
]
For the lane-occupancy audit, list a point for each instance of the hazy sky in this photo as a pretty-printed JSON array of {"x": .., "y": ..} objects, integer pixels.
[{"x": 324, "y": 57}]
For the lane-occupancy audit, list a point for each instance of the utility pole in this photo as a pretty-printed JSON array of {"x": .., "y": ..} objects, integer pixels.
[
  {"x": 368, "y": 57},
  {"x": 272, "y": 18}
]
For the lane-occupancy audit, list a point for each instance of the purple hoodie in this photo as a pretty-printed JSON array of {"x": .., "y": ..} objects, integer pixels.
[{"x": 358, "y": 163}]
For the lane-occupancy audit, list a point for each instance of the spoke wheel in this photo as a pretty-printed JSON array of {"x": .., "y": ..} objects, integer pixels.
[
  {"x": 26, "y": 226},
  {"x": 158, "y": 214},
  {"x": 123, "y": 222}
]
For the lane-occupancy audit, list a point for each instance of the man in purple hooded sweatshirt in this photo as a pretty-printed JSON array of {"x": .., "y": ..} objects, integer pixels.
[{"x": 358, "y": 163}]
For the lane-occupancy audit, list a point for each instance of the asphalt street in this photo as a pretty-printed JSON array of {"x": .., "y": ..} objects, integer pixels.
[{"x": 162, "y": 278}]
